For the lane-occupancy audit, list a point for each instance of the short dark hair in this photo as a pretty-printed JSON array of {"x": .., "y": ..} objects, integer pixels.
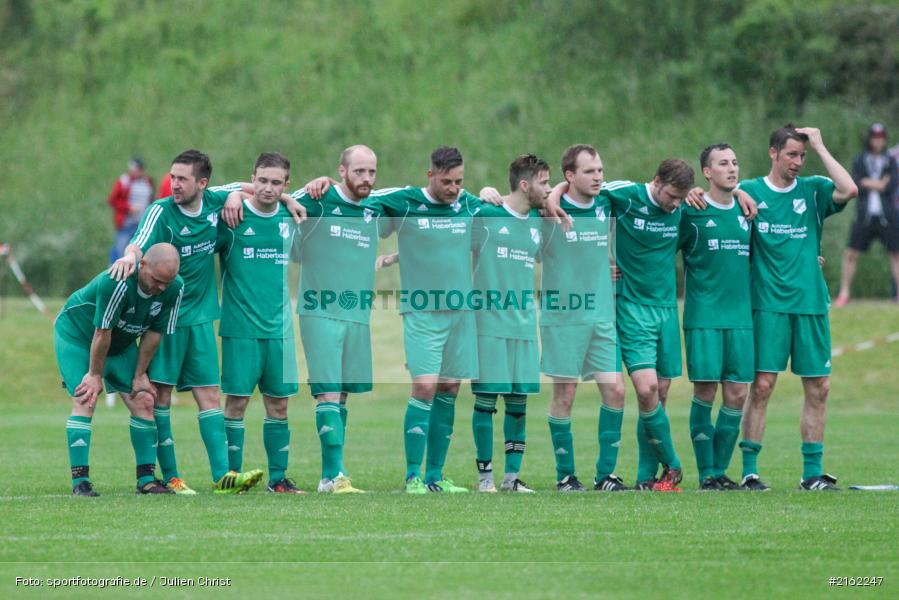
[
  {"x": 199, "y": 161},
  {"x": 675, "y": 172},
  {"x": 272, "y": 159},
  {"x": 525, "y": 167},
  {"x": 780, "y": 136},
  {"x": 707, "y": 153},
  {"x": 569, "y": 157},
  {"x": 445, "y": 158}
]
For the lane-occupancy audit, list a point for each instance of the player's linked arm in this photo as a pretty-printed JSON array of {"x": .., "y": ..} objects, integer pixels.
[
  {"x": 92, "y": 383},
  {"x": 232, "y": 211},
  {"x": 696, "y": 199}
]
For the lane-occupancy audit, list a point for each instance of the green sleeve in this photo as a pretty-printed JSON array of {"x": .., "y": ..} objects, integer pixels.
[
  {"x": 167, "y": 318},
  {"x": 216, "y": 196},
  {"x": 109, "y": 302},
  {"x": 478, "y": 234},
  {"x": 223, "y": 238},
  {"x": 149, "y": 230},
  {"x": 824, "y": 188},
  {"x": 389, "y": 201},
  {"x": 686, "y": 235},
  {"x": 313, "y": 207}
]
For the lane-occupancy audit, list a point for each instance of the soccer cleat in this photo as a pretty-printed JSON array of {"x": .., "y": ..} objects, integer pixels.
[
  {"x": 514, "y": 484},
  {"x": 414, "y": 485},
  {"x": 342, "y": 485},
  {"x": 645, "y": 485},
  {"x": 233, "y": 482},
  {"x": 325, "y": 486},
  {"x": 154, "y": 487},
  {"x": 669, "y": 480},
  {"x": 177, "y": 485},
  {"x": 710, "y": 484},
  {"x": 821, "y": 483},
  {"x": 486, "y": 484},
  {"x": 752, "y": 483},
  {"x": 727, "y": 483},
  {"x": 84, "y": 488},
  {"x": 569, "y": 483},
  {"x": 446, "y": 486},
  {"x": 610, "y": 483},
  {"x": 284, "y": 486}
]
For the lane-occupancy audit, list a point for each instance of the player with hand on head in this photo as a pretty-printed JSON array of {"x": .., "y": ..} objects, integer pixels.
[
  {"x": 790, "y": 301},
  {"x": 94, "y": 337}
]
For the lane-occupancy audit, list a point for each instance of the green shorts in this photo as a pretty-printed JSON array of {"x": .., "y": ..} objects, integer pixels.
[
  {"x": 270, "y": 363},
  {"x": 579, "y": 350},
  {"x": 720, "y": 355},
  {"x": 443, "y": 343},
  {"x": 338, "y": 355},
  {"x": 187, "y": 358},
  {"x": 804, "y": 339},
  {"x": 650, "y": 338},
  {"x": 507, "y": 366},
  {"x": 74, "y": 362}
]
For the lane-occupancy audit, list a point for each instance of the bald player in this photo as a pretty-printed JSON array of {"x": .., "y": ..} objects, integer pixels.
[{"x": 94, "y": 340}]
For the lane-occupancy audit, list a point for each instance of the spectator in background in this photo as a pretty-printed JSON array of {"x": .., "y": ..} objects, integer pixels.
[
  {"x": 877, "y": 214},
  {"x": 165, "y": 186},
  {"x": 129, "y": 198}
]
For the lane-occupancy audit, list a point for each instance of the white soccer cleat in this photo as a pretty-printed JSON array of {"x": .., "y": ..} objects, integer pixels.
[
  {"x": 326, "y": 486},
  {"x": 511, "y": 483},
  {"x": 486, "y": 484}
]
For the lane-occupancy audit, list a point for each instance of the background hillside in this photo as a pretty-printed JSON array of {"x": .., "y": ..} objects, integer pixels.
[{"x": 85, "y": 85}]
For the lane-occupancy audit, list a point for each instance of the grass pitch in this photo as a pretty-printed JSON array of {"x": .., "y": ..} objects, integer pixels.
[{"x": 385, "y": 544}]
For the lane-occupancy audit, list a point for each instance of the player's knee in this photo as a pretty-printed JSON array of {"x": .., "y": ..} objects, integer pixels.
[
  {"x": 647, "y": 390},
  {"x": 761, "y": 389},
  {"x": 448, "y": 387},
  {"x": 819, "y": 390},
  {"x": 276, "y": 408},
  {"x": 423, "y": 390},
  {"x": 615, "y": 396}
]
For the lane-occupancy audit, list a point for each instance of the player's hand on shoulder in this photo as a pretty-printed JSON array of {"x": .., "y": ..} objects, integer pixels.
[
  {"x": 747, "y": 204},
  {"x": 317, "y": 187},
  {"x": 122, "y": 268},
  {"x": 297, "y": 210},
  {"x": 696, "y": 199},
  {"x": 491, "y": 195},
  {"x": 232, "y": 212},
  {"x": 386, "y": 260}
]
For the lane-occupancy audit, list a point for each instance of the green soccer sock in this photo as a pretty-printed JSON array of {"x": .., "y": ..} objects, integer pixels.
[
  {"x": 750, "y": 457},
  {"x": 514, "y": 423},
  {"x": 276, "y": 439},
  {"x": 143, "y": 436},
  {"x": 330, "y": 435},
  {"x": 482, "y": 428},
  {"x": 727, "y": 429},
  {"x": 344, "y": 413},
  {"x": 165, "y": 442},
  {"x": 78, "y": 439},
  {"x": 234, "y": 432},
  {"x": 812, "y": 456},
  {"x": 440, "y": 432},
  {"x": 563, "y": 445},
  {"x": 647, "y": 463},
  {"x": 212, "y": 430},
  {"x": 702, "y": 432},
  {"x": 609, "y": 434},
  {"x": 658, "y": 431},
  {"x": 415, "y": 434}
]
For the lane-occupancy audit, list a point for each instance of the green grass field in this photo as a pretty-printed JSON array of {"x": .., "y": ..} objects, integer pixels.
[{"x": 385, "y": 544}]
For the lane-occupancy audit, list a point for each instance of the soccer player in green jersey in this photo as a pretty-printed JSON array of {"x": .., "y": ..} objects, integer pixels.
[
  {"x": 338, "y": 248},
  {"x": 94, "y": 342},
  {"x": 581, "y": 341},
  {"x": 256, "y": 324},
  {"x": 789, "y": 297},
  {"x": 717, "y": 315},
  {"x": 188, "y": 358},
  {"x": 433, "y": 226},
  {"x": 507, "y": 241},
  {"x": 648, "y": 224}
]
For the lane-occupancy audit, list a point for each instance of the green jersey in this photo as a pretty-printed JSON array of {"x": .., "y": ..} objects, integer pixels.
[
  {"x": 506, "y": 246},
  {"x": 254, "y": 259},
  {"x": 434, "y": 245},
  {"x": 786, "y": 241},
  {"x": 338, "y": 247},
  {"x": 715, "y": 244},
  {"x": 194, "y": 235},
  {"x": 646, "y": 244},
  {"x": 577, "y": 283},
  {"x": 121, "y": 306}
]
